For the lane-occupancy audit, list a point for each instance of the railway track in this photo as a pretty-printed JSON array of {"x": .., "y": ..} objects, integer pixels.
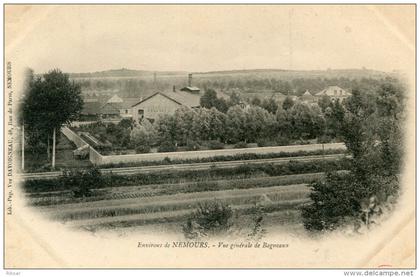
[{"x": 185, "y": 167}]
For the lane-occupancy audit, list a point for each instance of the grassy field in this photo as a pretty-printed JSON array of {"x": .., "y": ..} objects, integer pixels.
[
  {"x": 246, "y": 171},
  {"x": 170, "y": 198},
  {"x": 65, "y": 197},
  {"x": 37, "y": 162},
  {"x": 174, "y": 207}
]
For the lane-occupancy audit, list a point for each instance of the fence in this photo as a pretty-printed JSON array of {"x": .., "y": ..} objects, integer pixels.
[{"x": 97, "y": 159}]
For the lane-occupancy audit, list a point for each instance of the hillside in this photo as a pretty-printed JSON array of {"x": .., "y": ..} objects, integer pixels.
[
  {"x": 295, "y": 74},
  {"x": 258, "y": 73},
  {"x": 123, "y": 73}
]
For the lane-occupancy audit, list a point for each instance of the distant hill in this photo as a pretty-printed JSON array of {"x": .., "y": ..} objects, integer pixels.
[
  {"x": 294, "y": 74},
  {"x": 123, "y": 73},
  {"x": 258, "y": 73}
]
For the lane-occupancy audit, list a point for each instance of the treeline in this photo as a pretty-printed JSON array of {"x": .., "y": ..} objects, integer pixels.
[
  {"x": 372, "y": 129},
  {"x": 240, "y": 124},
  {"x": 134, "y": 87}
]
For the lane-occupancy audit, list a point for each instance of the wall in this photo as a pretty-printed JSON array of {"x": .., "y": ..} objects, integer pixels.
[
  {"x": 94, "y": 156},
  {"x": 97, "y": 159},
  {"x": 115, "y": 159},
  {"x": 155, "y": 106},
  {"x": 73, "y": 137}
]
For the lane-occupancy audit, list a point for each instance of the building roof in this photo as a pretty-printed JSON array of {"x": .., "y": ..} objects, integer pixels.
[
  {"x": 307, "y": 93},
  {"x": 333, "y": 91},
  {"x": 179, "y": 97},
  {"x": 115, "y": 99},
  {"x": 111, "y": 108},
  {"x": 129, "y": 102},
  {"x": 91, "y": 106},
  {"x": 190, "y": 89}
]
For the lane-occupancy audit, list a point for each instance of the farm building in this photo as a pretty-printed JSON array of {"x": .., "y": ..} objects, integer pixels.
[
  {"x": 112, "y": 107},
  {"x": 117, "y": 106},
  {"x": 307, "y": 97},
  {"x": 334, "y": 92},
  {"x": 161, "y": 103},
  {"x": 91, "y": 107},
  {"x": 189, "y": 89}
]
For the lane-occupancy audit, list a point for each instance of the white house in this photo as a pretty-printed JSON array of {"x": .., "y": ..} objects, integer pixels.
[{"x": 161, "y": 103}]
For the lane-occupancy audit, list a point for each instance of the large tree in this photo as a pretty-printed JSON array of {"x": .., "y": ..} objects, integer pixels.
[
  {"x": 372, "y": 133},
  {"x": 52, "y": 100}
]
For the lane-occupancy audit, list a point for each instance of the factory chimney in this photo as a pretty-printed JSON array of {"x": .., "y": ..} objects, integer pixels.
[
  {"x": 173, "y": 89},
  {"x": 189, "y": 79}
]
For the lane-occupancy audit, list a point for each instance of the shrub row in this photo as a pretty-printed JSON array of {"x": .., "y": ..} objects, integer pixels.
[
  {"x": 242, "y": 171},
  {"x": 216, "y": 185}
]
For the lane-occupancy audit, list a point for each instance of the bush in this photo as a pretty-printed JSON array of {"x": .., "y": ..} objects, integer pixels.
[
  {"x": 215, "y": 144},
  {"x": 324, "y": 139},
  {"x": 82, "y": 182},
  {"x": 192, "y": 145},
  {"x": 167, "y": 147},
  {"x": 210, "y": 218},
  {"x": 143, "y": 149},
  {"x": 282, "y": 141},
  {"x": 241, "y": 144},
  {"x": 240, "y": 172},
  {"x": 266, "y": 143}
]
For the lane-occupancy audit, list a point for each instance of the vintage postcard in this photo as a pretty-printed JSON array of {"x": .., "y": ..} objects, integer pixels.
[{"x": 209, "y": 136}]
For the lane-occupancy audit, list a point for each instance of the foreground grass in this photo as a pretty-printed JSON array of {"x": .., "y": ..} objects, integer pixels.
[{"x": 65, "y": 197}]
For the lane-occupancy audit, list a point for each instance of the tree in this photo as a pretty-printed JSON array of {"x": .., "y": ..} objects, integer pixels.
[
  {"x": 284, "y": 128},
  {"x": 142, "y": 137},
  {"x": 234, "y": 99},
  {"x": 209, "y": 99},
  {"x": 167, "y": 130},
  {"x": 235, "y": 124},
  {"x": 217, "y": 123},
  {"x": 270, "y": 105},
  {"x": 324, "y": 102},
  {"x": 334, "y": 116},
  {"x": 306, "y": 121},
  {"x": 126, "y": 123},
  {"x": 256, "y": 101},
  {"x": 371, "y": 132},
  {"x": 288, "y": 103},
  {"x": 51, "y": 102},
  {"x": 184, "y": 118},
  {"x": 259, "y": 123},
  {"x": 211, "y": 218}
]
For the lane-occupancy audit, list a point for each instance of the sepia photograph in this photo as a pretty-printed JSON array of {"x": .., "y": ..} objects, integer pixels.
[{"x": 209, "y": 136}]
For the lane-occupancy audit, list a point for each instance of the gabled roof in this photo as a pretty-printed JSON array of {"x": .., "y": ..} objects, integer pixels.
[
  {"x": 307, "y": 93},
  {"x": 330, "y": 91},
  {"x": 179, "y": 97},
  {"x": 111, "y": 108},
  {"x": 129, "y": 102},
  {"x": 185, "y": 98},
  {"x": 115, "y": 99}
]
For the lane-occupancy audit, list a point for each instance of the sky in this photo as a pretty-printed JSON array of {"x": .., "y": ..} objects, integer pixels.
[{"x": 210, "y": 37}]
